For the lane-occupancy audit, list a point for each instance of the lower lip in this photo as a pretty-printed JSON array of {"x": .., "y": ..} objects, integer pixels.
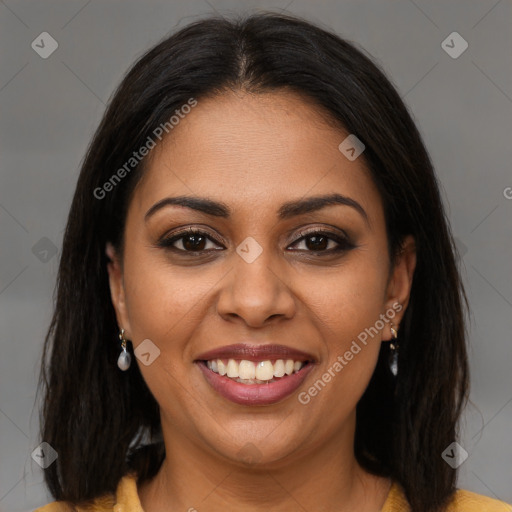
[{"x": 255, "y": 394}]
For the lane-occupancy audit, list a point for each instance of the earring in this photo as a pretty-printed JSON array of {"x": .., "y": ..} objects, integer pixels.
[
  {"x": 393, "y": 356},
  {"x": 125, "y": 359}
]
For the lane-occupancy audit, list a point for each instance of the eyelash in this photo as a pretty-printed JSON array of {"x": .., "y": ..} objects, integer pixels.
[{"x": 344, "y": 244}]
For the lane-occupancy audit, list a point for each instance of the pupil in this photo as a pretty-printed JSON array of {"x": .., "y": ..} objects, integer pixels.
[
  {"x": 317, "y": 242},
  {"x": 197, "y": 240}
]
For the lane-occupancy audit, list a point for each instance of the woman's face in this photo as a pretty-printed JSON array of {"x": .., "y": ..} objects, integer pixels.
[{"x": 269, "y": 267}]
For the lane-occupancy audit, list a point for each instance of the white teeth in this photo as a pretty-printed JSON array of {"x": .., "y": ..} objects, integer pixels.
[
  {"x": 232, "y": 369},
  {"x": 279, "y": 368},
  {"x": 221, "y": 367},
  {"x": 264, "y": 370},
  {"x": 249, "y": 372}
]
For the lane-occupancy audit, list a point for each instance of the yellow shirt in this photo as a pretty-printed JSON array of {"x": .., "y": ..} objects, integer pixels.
[{"x": 126, "y": 499}]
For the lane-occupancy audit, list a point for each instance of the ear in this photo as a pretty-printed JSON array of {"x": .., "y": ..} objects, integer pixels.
[
  {"x": 400, "y": 283},
  {"x": 117, "y": 293}
]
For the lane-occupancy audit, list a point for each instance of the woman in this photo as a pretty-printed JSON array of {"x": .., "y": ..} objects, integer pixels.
[{"x": 258, "y": 302}]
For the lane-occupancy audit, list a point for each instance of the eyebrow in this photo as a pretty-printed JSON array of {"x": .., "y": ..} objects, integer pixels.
[{"x": 286, "y": 211}]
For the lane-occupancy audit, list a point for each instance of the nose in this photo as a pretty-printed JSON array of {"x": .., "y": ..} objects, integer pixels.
[{"x": 256, "y": 293}]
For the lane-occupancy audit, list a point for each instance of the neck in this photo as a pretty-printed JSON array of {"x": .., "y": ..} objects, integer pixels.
[{"x": 325, "y": 478}]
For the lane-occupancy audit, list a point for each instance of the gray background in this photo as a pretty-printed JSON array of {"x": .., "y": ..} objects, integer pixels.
[{"x": 50, "y": 108}]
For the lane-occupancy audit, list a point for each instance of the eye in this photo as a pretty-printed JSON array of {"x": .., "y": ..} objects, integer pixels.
[
  {"x": 315, "y": 241},
  {"x": 190, "y": 240},
  {"x": 324, "y": 242}
]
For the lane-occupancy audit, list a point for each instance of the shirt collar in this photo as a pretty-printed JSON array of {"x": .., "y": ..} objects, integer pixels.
[{"x": 127, "y": 496}]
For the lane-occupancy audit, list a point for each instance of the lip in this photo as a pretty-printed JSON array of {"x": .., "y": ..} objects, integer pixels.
[
  {"x": 255, "y": 353},
  {"x": 255, "y": 394}
]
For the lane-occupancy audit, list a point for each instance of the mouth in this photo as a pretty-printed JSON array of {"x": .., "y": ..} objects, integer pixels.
[{"x": 255, "y": 374}]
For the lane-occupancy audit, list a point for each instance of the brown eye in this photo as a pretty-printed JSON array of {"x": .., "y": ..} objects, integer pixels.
[
  {"x": 194, "y": 242},
  {"x": 317, "y": 243},
  {"x": 324, "y": 242},
  {"x": 188, "y": 241}
]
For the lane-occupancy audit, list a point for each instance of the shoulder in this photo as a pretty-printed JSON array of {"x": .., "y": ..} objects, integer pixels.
[
  {"x": 461, "y": 501},
  {"x": 102, "y": 504},
  {"x": 125, "y": 497},
  {"x": 467, "y": 501},
  {"x": 56, "y": 506}
]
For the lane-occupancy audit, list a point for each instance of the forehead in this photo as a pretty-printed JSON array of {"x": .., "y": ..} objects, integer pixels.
[{"x": 253, "y": 150}]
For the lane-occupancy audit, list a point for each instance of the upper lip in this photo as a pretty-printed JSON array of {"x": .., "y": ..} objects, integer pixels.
[{"x": 251, "y": 352}]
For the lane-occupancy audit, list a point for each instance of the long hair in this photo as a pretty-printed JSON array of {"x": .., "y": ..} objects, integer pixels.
[{"x": 100, "y": 419}]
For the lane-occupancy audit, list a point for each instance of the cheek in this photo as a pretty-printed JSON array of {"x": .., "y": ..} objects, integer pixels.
[
  {"x": 166, "y": 305},
  {"x": 346, "y": 307},
  {"x": 348, "y": 299},
  {"x": 164, "y": 302}
]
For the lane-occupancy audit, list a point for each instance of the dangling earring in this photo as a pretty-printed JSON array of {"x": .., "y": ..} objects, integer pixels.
[
  {"x": 125, "y": 359},
  {"x": 393, "y": 356}
]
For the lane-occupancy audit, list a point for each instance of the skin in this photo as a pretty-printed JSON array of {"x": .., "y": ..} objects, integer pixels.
[{"x": 253, "y": 153}]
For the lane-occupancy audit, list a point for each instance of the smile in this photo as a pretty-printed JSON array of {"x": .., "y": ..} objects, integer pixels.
[{"x": 256, "y": 374}]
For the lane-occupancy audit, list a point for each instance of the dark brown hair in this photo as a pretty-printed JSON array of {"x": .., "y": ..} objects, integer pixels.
[{"x": 98, "y": 418}]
